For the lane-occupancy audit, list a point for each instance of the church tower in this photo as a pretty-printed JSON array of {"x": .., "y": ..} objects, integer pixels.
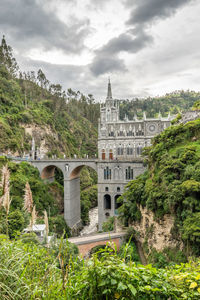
[{"x": 109, "y": 109}]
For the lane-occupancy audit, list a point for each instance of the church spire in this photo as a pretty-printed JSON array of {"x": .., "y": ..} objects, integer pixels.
[{"x": 109, "y": 93}]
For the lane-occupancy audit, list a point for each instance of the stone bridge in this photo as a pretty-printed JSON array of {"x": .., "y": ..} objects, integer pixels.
[
  {"x": 113, "y": 175},
  {"x": 86, "y": 243},
  {"x": 71, "y": 173}
]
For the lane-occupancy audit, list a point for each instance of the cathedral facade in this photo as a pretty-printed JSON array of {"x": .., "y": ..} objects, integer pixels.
[{"x": 120, "y": 144}]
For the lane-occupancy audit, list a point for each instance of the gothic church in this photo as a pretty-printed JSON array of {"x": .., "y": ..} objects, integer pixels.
[{"x": 120, "y": 143}]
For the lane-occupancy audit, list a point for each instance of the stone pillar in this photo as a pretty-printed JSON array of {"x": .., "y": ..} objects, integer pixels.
[
  {"x": 72, "y": 210},
  {"x": 100, "y": 208}
]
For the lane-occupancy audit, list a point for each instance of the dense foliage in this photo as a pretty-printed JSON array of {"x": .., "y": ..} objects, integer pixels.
[
  {"x": 108, "y": 225},
  {"x": 173, "y": 103},
  {"x": 30, "y": 271},
  {"x": 43, "y": 199},
  {"x": 171, "y": 185}
]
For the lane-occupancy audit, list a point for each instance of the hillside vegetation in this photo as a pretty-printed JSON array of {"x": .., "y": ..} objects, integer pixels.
[
  {"x": 171, "y": 185},
  {"x": 173, "y": 103},
  {"x": 61, "y": 122}
]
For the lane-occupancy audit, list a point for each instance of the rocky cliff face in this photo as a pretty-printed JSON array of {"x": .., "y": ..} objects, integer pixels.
[
  {"x": 42, "y": 136},
  {"x": 156, "y": 233}
]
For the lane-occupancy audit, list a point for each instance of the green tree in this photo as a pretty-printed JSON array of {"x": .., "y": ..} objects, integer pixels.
[{"x": 6, "y": 58}]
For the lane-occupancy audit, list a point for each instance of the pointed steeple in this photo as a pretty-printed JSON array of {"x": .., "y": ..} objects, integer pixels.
[{"x": 109, "y": 93}]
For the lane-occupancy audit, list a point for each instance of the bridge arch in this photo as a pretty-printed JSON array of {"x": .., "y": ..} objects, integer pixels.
[
  {"x": 85, "y": 244},
  {"x": 48, "y": 172},
  {"x": 71, "y": 170},
  {"x": 75, "y": 173}
]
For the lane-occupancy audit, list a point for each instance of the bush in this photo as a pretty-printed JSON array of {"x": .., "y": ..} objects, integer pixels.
[
  {"x": 3, "y": 238},
  {"x": 59, "y": 226},
  {"x": 29, "y": 238},
  {"x": 66, "y": 251},
  {"x": 15, "y": 222},
  {"x": 100, "y": 249},
  {"x": 128, "y": 251},
  {"x": 108, "y": 225}
]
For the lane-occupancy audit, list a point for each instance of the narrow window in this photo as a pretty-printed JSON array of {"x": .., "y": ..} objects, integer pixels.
[
  {"x": 120, "y": 151},
  {"x": 129, "y": 151},
  {"x": 111, "y": 154},
  {"x": 103, "y": 154},
  {"x": 107, "y": 201},
  {"x": 107, "y": 173},
  {"x": 129, "y": 173}
]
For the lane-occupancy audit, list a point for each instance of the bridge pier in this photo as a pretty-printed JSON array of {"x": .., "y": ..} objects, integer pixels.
[
  {"x": 72, "y": 211},
  {"x": 71, "y": 174}
]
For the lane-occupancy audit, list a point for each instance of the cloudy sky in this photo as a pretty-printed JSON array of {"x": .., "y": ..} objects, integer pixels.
[{"x": 146, "y": 47}]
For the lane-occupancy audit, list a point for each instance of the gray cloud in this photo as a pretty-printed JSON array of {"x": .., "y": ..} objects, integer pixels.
[
  {"x": 127, "y": 42},
  {"x": 131, "y": 42},
  {"x": 30, "y": 25},
  {"x": 136, "y": 38},
  {"x": 151, "y": 10},
  {"x": 104, "y": 63}
]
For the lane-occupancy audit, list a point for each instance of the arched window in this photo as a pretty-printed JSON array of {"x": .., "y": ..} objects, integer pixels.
[
  {"x": 129, "y": 150},
  {"x": 110, "y": 154},
  {"x": 130, "y": 133},
  {"x": 120, "y": 151},
  {"x": 107, "y": 201},
  {"x": 117, "y": 205},
  {"x": 139, "y": 150},
  {"x": 106, "y": 189},
  {"x": 118, "y": 189},
  {"x": 129, "y": 173},
  {"x": 103, "y": 154},
  {"x": 107, "y": 173}
]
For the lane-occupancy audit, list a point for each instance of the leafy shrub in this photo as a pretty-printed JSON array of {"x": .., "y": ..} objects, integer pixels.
[
  {"x": 65, "y": 251},
  {"x": 58, "y": 225},
  {"x": 29, "y": 238},
  {"x": 128, "y": 251},
  {"x": 100, "y": 249},
  {"x": 3, "y": 238},
  {"x": 16, "y": 222},
  {"x": 108, "y": 225}
]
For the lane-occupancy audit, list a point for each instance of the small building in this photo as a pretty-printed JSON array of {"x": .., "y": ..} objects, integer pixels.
[{"x": 38, "y": 229}]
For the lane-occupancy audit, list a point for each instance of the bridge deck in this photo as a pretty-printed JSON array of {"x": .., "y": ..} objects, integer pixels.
[{"x": 96, "y": 238}]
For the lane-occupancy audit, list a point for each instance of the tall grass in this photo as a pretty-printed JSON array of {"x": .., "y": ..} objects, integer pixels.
[{"x": 29, "y": 271}]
